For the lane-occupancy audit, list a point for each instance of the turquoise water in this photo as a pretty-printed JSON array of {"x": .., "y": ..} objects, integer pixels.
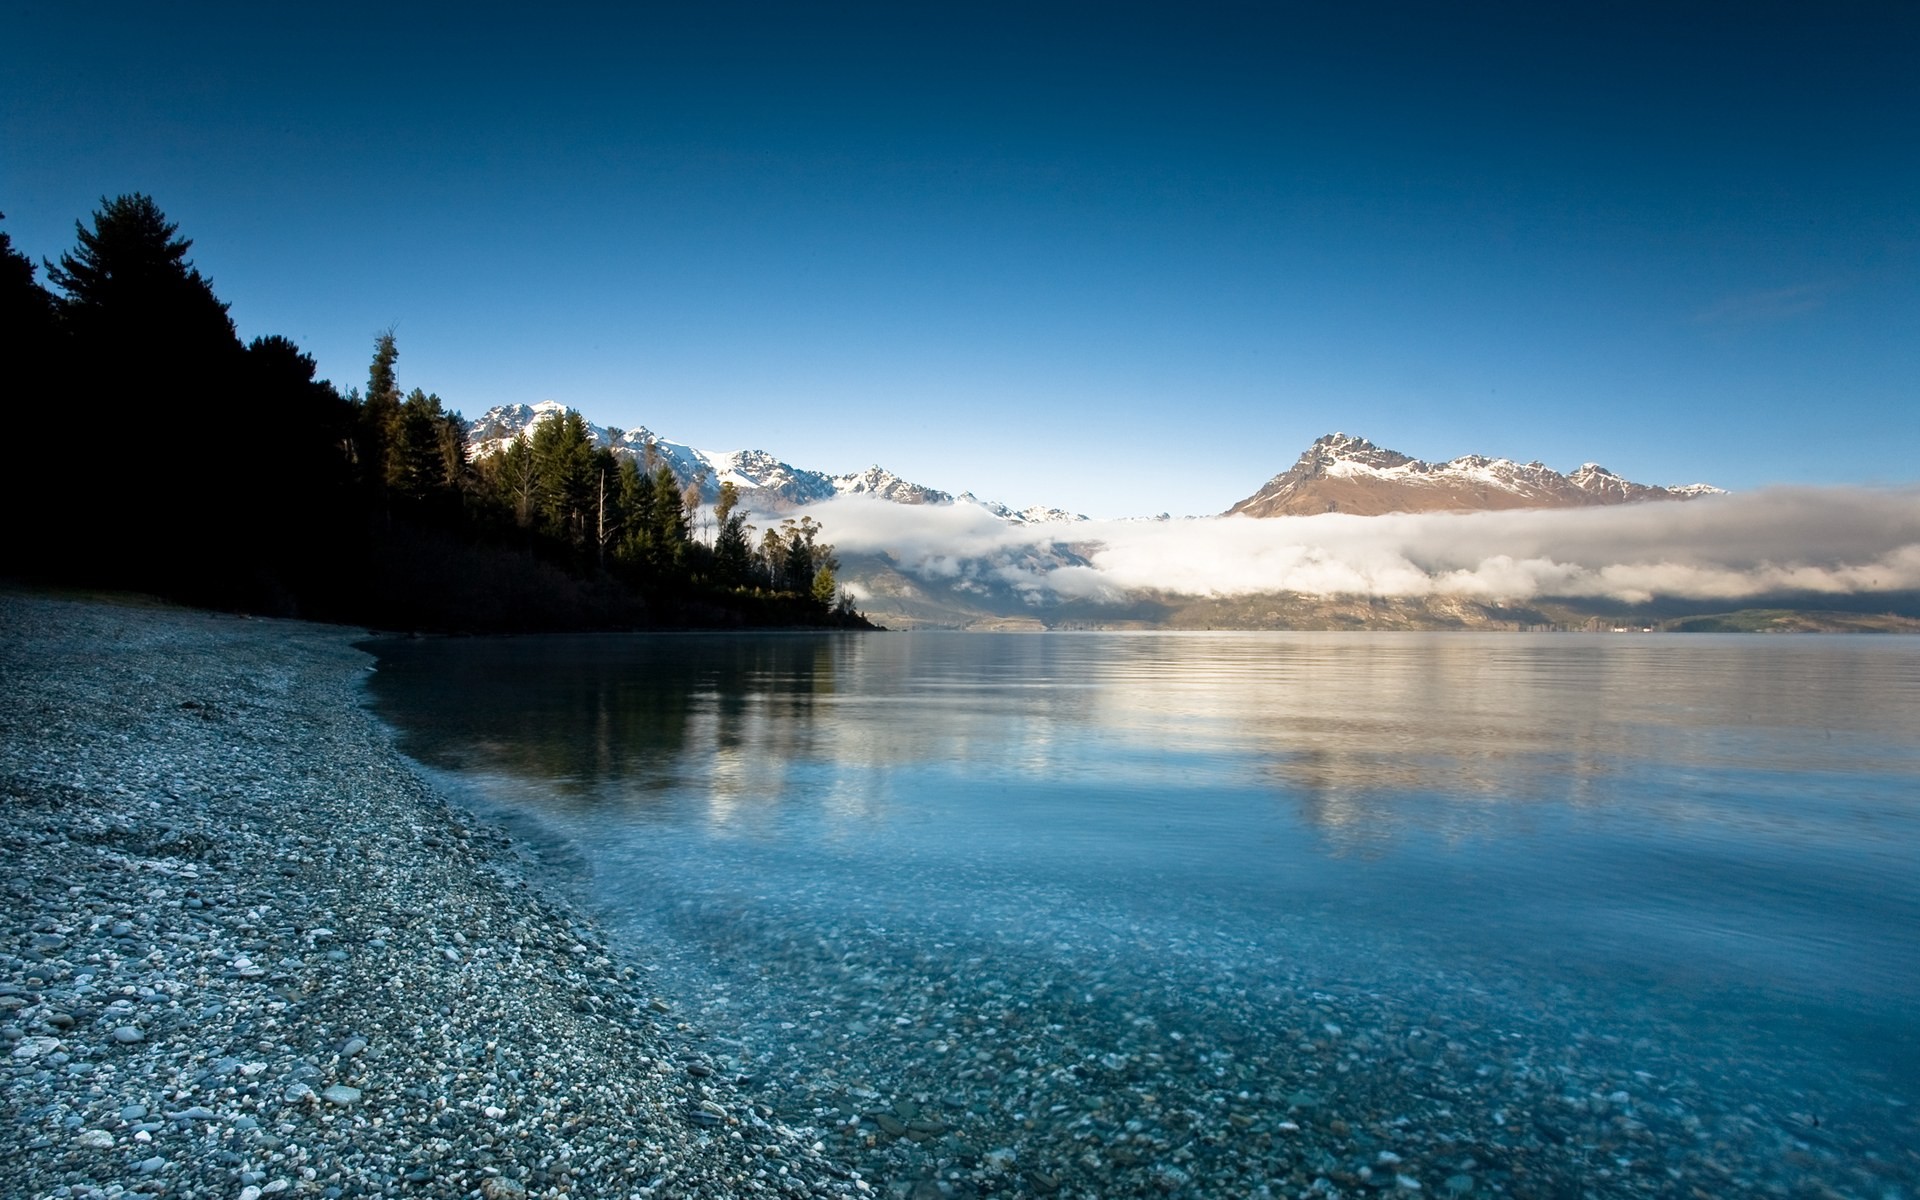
[{"x": 1243, "y": 914}]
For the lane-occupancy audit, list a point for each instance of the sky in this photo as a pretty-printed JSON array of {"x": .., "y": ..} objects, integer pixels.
[{"x": 1115, "y": 258}]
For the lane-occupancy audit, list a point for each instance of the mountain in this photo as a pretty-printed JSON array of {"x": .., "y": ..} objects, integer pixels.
[
  {"x": 1339, "y": 473},
  {"x": 766, "y": 483}
]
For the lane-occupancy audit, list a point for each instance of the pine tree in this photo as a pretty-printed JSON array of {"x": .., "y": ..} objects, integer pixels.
[
  {"x": 33, "y": 363},
  {"x": 451, "y": 438},
  {"x": 825, "y": 588},
  {"x": 147, "y": 328},
  {"x": 563, "y": 458},
  {"x": 129, "y": 280},
  {"x": 26, "y": 308},
  {"x": 670, "y": 529},
  {"x": 515, "y": 480},
  {"x": 417, "y": 463},
  {"x": 732, "y": 539},
  {"x": 637, "y": 499},
  {"x": 380, "y": 414}
]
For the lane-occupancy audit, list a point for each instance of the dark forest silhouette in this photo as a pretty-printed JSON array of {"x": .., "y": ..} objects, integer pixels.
[{"x": 164, "y": 455}]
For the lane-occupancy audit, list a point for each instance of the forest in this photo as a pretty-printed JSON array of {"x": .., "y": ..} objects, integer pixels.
[{"x": 173, "y": 459}]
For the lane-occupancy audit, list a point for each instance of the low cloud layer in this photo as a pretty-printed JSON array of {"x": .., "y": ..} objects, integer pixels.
[{"x": 1821, "y": 541}]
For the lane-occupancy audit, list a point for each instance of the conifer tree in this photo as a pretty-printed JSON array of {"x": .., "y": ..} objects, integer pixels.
[
  {"x": 670, "y": 529},
  {"x": 636, "y": 502},
  {"x": 128, "y": 279},
  {"x": 825, "y": 587},
  {"x": 417, "y": 462},
  {"x": 146, "y": 325},
  {"x": 563, "y": 458},
  {"x": 514, "y": 481},
  {"x": 380, "y": 413},
  {"x": 732, "y": 539},
  {"x": 32, "y": 364},
  {"x": 26, "y": 308}
]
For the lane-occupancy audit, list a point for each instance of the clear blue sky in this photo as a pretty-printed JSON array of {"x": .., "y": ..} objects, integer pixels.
[{"x": 1113, "y": 257}]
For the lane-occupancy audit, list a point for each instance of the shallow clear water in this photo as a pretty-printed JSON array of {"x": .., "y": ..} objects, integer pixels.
[{"x": 1226, "y": 914}]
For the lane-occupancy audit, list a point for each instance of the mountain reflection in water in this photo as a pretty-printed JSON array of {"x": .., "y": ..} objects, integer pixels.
[
  {"x": 1548, "y": 845},
  {"x": 1349, "y": 728}
]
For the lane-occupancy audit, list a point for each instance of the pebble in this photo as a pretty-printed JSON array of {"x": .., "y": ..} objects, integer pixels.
[
  {"x": 251, "y": 893},
  {"x": 341, "y": 1094},
  {"x": 127, "y": 1035},
  {"x": 551, "y": 1063}
]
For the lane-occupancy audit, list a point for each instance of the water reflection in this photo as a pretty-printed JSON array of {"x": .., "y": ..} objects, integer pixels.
[
  {"x": 967, "y": 870},
  {"x": 1364, "y": 735},
  {"x": 615, "y": 719},
  {"x": 1726, "y": 805}
]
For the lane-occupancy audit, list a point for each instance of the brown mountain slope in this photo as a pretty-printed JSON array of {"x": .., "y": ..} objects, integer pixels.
[{"x": 1346, "y": 474}]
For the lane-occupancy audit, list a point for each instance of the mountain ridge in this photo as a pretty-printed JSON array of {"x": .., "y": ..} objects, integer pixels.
[
  {"x": 1343, "y": 473},
  {"x": 1337, "y": 473},
  {"x": 765, "y": 481}
]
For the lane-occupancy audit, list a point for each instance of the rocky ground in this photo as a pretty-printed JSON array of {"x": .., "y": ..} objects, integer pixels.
[{"x": 245, "y": 951}]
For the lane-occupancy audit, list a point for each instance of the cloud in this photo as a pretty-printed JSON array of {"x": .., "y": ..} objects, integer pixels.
[{"x": 1822, "y": 541}]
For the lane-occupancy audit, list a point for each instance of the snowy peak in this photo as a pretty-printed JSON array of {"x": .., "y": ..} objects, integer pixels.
[
  {"x": 1341, "y": 454},
  {"x": 766, "y": 483},
  {"x": 1342, "y": 473},
  {"x": 884, "y": 484},
  {"x": 1037, "y": 514}
]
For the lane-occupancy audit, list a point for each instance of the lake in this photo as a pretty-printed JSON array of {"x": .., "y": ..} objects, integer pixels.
[{"x": 1245, "y": 914}]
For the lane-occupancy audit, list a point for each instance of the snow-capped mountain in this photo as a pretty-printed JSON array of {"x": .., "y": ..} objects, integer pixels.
[
  {"x": 766, "y": 483},
  {"x": 1339, "y": 473},
  {"x": 1037, "y": 514},
  {"x": 880, "y": 482},
  {"x": 496, "y": 428}
]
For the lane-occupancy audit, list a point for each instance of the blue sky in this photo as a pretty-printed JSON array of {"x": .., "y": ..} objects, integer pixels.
[{"x": 1118, "y": 258}]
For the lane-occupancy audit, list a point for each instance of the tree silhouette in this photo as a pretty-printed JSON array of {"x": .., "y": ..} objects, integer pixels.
[
  {"x": 232, "y": 475},
  {"x": 26, "y": 308},
  {"x": 128, "y": 280},
  {"x": 33, "y": 362},
  {"x": 157, "y": 361}
]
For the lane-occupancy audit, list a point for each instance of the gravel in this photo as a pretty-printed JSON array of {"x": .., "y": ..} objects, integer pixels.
[{"x": 246, "y": 951}]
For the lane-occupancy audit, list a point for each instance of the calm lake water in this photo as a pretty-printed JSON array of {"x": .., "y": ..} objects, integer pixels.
[{"x": 1246, "y": 914}]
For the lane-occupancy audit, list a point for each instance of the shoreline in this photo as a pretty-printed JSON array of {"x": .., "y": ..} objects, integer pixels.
[{"x": 247, "y": 950}]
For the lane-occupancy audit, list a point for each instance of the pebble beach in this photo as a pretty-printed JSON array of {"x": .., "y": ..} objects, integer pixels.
[
  {"x": 249, "y": 949},
  {"x": 246, "y": 951}
]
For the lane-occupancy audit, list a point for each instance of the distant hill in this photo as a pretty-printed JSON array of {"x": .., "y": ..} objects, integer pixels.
[{"x": 1339, "y": 473}]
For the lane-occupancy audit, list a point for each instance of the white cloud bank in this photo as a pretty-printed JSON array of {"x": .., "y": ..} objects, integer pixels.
[{"x": 1822, "y": 541}]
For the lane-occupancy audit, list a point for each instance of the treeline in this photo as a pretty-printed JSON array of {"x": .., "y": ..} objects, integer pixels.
[{"x": 162, "y": 454}]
